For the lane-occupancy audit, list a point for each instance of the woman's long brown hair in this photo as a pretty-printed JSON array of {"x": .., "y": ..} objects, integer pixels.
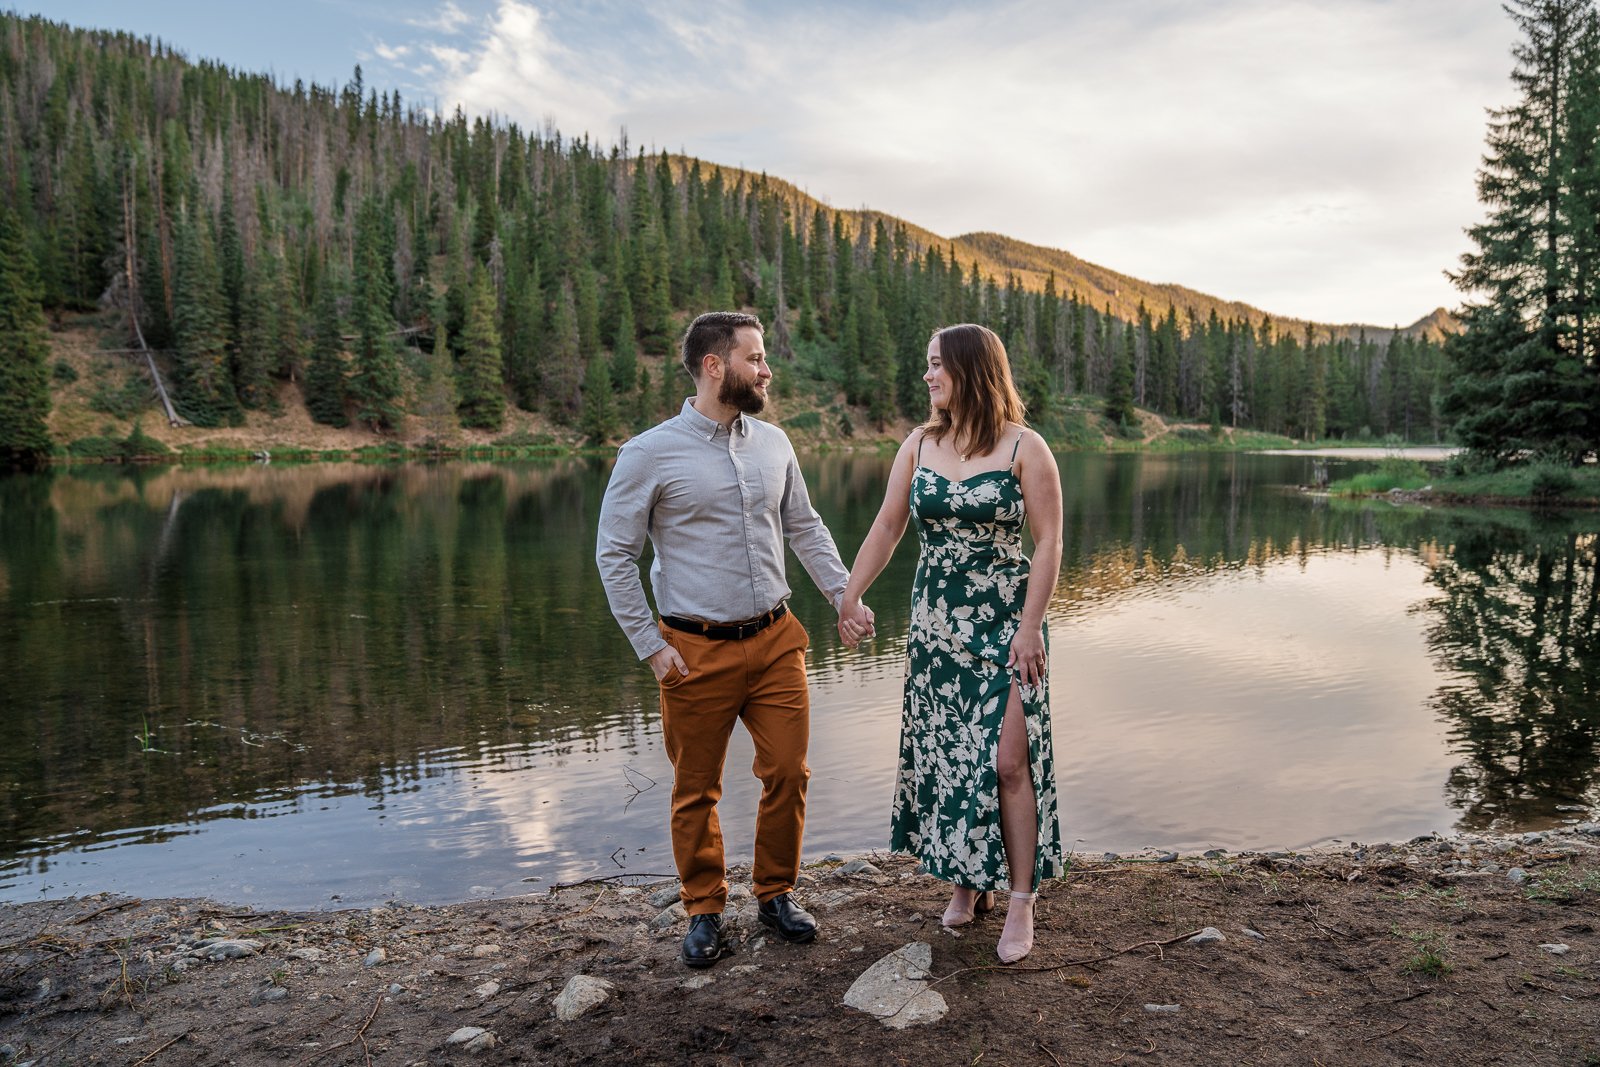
[{"x": 983, "y": 398}]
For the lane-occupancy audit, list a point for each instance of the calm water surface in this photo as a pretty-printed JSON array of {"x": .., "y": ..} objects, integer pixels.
[{"x": 341, "y": 684}]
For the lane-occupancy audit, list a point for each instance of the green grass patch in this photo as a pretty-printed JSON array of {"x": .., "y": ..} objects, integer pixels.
[
  {"x": 806, "y": 420},
  {"x": 1543, "y": 482},
  {"x": 1393, "y": 473},
  {"x": 1427, "y": 955}
]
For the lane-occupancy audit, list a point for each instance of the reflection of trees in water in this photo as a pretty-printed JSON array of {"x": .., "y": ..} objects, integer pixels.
[
  {"x": 1516, "y": 621},
  {"x": 367, "y": 626}
]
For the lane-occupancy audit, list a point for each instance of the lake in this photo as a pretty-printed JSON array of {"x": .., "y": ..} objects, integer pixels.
[{"x": 338, "y": 684}]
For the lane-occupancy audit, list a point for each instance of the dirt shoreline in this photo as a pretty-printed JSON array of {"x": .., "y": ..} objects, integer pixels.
[{"x": 1437, "y": 950}]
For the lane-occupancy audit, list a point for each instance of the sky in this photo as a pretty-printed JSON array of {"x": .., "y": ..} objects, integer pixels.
[{"x": 1314, "y": 159}]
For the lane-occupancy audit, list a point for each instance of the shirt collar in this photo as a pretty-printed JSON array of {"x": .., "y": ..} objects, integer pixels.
[{"x": 709, "y": 428}]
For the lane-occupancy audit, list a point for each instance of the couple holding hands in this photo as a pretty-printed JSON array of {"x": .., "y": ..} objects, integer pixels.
[{"x": 717, "y": 493}]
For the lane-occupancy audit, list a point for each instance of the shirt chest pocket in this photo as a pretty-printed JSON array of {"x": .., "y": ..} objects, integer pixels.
[{"x": 771, "y": 481}]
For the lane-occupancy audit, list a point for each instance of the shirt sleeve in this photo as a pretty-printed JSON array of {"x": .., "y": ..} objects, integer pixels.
[
  {"x": 624, "y": 525},
  {"x": 812, "y": 543}
]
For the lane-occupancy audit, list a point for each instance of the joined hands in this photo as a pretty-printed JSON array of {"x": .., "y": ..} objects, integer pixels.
[{"x": 855, "y": 623}]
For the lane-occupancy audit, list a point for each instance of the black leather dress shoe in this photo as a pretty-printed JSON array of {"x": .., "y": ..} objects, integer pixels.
[
  {"x": 704, "y": 944},
  {"x": 787, "y": 919}
]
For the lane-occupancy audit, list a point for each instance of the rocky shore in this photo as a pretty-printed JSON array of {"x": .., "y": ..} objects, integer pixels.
[{"x": 1471, "y": 949}]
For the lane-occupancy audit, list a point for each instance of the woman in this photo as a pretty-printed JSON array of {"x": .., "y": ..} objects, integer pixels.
[{"x": 975, "y": 800}]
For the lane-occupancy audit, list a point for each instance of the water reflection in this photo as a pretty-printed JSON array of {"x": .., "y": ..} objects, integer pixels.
[
  {"x": 1515, "y": 622},
  {"x": 287, "y": 685}
]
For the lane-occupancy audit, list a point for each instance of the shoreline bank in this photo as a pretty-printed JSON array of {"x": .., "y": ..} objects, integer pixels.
[{"x": 1477, "y": 943}]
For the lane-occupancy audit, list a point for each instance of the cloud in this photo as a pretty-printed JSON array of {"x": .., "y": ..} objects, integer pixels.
[
  {"x": 448, "y": 19},
  {"x": 391, "y": 53},
  {"x": 1313, "y": 160}
]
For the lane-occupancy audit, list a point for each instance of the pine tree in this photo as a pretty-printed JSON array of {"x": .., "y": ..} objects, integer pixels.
[
  {"x": 483, "y": 403},
  {"x": 562, "y": 371},
  {"x": 439, "y": 395},
  {"x": 203, "y": 375},
  {"x": 625, "y": 350},
  {"x": 326, "y": 388},
  {"x": 1520, "y": 382},
  {"x": 599, "y": 401},
  {"x": 375, "y": 384},
  {"x": 24, "y": 351}
]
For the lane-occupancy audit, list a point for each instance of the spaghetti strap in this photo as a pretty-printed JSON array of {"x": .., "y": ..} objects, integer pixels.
[
  {"x": 922, "y": 438},
  {"x": 1014, "y": 449}
]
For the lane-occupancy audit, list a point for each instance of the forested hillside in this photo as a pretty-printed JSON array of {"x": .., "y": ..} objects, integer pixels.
[{"x": 385, "y": 260}]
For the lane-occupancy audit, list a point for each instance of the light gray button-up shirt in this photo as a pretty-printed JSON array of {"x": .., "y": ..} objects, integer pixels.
[{"x": 716, "y": 505}]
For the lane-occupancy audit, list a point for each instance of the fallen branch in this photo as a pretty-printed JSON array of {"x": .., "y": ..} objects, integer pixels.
[
  {"x": 360, "y": 1035},
  {"x": 109, "y": 907},
  {"x": 162, "y": 1049},
  {"x": 1386, "y": 1033},
  {"x": 602, "y": 878}
]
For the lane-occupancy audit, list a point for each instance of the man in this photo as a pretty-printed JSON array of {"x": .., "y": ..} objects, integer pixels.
[{"x": 717, "y": 492}]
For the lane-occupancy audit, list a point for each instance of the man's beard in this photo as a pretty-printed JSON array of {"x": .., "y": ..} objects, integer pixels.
[{"x": 741, "y": 393}]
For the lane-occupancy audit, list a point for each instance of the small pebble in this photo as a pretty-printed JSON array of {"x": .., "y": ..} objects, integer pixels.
[
  {"x": 483, "y": 952},
  {"x": 1209, "y": 935},
  {"x": 1556, "y": 949},
  {"x": 375, "y": 957},
  {"x": 1257, "y": 934},
  {"x": 1516, "y": 876},
  {"x": 1162, "y": 1009},
  {"x": 859, "y": 866}
]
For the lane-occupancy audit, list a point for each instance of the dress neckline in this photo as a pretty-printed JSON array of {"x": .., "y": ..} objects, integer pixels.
[{"x": 968, "y": 478}]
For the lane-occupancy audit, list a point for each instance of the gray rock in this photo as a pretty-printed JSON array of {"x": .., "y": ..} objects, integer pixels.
[
  {"x": 226, "y": 949},
  {"x": 1215, "y": 853},
  {"x": 696, "y": 981},
  {"x": 1516, "y": 876},
  {"x": 1210, "y": 935},
  {"x": 8, "y": 1054},
  {"x": 268, "y": 994},
  {"x": 833, "y": 857},
  {"x": 473, "y": 1039},
  {"x": 486, "y": 990},
  {"x": 1167, "y": 857},
  {"x": 1423, "y": 839},
  {"x": 1557, "y": 949},
  {"x": 1444, "y": 848},
  {"x": 665, "y": 896},
  {"x": 670, "y": 917},
  {"x": 375, "y": 957},
  {"x": 395, "y": 989},
  {"x": 581, "y": 994},
  {"x": 738, "y": 894},
  {"x": 1162, "y": 1009},
  {"x": 483, "y": 952},
  {"x": 1592, "y": 829},
  {"x": 307, "y": 953},
  {"x": 1571, "y": 807},
  {"x": 1532, "y": 838},
  {"x": 859, "y": 866},
  {"x": 1111, "y": 857},
  {"x": 894, "y": 990},
  {"x": 1256, "y": 934}
]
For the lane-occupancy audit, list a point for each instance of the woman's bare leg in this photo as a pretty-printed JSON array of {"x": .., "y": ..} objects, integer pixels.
[{"x": 1019, "y": 829}]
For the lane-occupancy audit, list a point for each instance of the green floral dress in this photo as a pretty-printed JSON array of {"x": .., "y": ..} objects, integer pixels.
[{"x": 966, "y": 601}]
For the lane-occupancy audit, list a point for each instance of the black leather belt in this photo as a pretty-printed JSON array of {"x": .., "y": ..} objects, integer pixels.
[{"x": 733, "y": 631}]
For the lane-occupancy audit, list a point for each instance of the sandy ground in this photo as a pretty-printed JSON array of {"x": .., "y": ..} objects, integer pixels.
[{"x": 1436, "y": 951}]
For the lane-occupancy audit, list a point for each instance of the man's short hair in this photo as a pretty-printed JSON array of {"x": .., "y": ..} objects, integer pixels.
[{"x": 717, "y": 332}]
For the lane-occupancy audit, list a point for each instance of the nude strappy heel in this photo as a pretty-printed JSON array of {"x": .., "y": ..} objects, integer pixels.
[
  {"x": 980, "y": 904},
  {"x": 1014, "y": 946}
]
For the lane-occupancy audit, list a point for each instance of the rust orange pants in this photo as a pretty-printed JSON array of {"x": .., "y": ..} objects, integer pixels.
[{"x": 762, "y": 682}]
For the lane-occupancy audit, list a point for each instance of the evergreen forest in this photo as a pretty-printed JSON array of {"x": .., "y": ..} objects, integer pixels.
[{"x": 382, "y": 260}]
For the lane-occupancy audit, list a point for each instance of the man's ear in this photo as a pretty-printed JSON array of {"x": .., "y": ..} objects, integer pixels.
[{"x": 711, "y": 364}]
